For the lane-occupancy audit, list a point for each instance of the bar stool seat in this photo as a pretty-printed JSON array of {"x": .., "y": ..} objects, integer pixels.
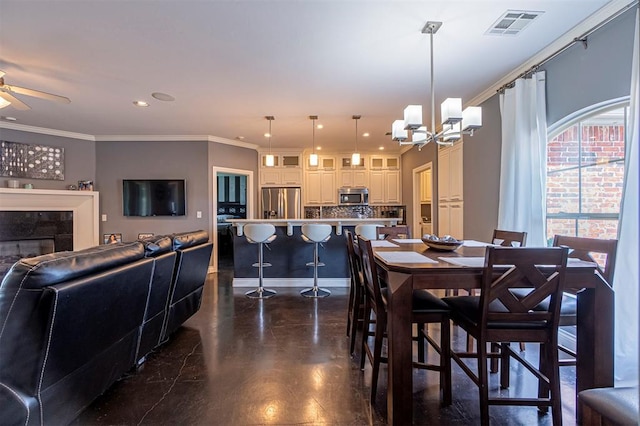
[
  {"x": 261, "y": 234},
  {"x": 368, "y": 230},
  {"x": 315, "y": 233}
]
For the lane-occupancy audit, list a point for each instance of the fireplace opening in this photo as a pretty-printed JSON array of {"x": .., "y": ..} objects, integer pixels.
[{"x": 33, "y": 233}]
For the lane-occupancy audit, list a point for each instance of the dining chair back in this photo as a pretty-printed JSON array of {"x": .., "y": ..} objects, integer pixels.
[
  {"x": 499, "y": 316},
  {"x": 509, "y": 238},
  {"x": 356, "y": 292},
  {"x": 393, "y": 232}
]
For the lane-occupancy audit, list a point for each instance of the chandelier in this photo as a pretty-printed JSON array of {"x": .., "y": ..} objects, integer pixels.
[{"x": 455, "y": 121}]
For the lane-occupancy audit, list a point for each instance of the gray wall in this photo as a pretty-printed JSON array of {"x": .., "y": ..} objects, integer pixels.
[
  {"x": 576, "y": 79},
  {"x": 116, "y": 161},
  {"x": 581, "y": 77},
  {"x": 79, "y": 158},
  {"x": 410, "y": 160},
  {"x": 233, "y": 157}
]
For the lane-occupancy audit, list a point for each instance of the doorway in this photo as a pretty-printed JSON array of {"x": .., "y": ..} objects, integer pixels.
[
  {"x": 423, "y": 200},
  {"x": 232, "y": 199}
]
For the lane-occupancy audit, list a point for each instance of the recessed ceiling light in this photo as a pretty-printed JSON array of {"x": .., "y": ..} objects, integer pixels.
[
  {"x": 163, "y": 97},
  {"x": 319, "y": 126},
  {"x": 365, "y": 135},
  {"x": 141, "y": 103},
  {"x": 381, "y": 148},
  {"x": 9, "y": 118},
  {"x": 318, "y": 148}
]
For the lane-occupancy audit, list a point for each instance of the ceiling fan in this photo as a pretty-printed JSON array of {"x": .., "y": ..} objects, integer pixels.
[{"x": 7, "y": 91}]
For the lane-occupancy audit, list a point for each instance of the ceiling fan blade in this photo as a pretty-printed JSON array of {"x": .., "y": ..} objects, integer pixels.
[
  {"x": 39, "y": 94},
  {"x": 15, "y": 102},
  {"x": 2, "y": 73}
]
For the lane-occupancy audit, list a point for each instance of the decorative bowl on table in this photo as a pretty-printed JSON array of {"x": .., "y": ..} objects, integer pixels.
[{"x": 446, "y": 243}]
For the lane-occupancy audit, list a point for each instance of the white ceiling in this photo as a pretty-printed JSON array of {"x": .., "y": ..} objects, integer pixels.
[{"x": 230, "y": 63}]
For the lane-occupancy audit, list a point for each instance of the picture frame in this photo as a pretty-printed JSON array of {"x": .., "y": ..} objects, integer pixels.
[
  {"x": 143, "y": 235},
  {"x": 111, "y": 238}
]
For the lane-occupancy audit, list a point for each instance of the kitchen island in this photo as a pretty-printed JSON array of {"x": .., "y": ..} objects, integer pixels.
[{"x": 289, "y": 254}]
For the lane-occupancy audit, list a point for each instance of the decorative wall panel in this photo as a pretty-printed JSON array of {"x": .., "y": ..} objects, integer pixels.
[{"x": 20, "y": 160}]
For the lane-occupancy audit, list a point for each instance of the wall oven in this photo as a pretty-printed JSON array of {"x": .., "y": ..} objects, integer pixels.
[{"x": 353, "y": 196}]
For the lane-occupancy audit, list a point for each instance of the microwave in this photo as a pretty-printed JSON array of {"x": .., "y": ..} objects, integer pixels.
[{"x": 353, "y": 196}]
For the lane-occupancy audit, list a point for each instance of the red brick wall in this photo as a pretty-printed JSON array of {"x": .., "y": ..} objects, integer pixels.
[{"x": 601, "y": 179}]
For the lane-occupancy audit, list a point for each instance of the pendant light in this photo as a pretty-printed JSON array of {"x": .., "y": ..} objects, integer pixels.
[
  {"x": 355, "y": 157},
  {"x": 269, "y": 159},
  {"x": 313, "y": 158},
  {"x": 455, "y": 122}
]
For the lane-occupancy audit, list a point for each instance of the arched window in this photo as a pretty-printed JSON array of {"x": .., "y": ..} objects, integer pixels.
[{"x": 585, "y": 173}]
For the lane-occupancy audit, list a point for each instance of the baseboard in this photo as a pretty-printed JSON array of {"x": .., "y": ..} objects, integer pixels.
[{"x": 291, "y": 282}]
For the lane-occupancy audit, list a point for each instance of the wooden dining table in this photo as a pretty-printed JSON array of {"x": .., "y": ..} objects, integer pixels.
[{"x": 410, "y": 264}]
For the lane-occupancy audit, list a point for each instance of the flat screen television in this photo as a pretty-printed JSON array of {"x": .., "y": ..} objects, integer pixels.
[{"x": 153, "y": 197}]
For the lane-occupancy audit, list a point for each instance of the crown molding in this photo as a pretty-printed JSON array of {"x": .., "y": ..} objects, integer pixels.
[
  {"x": 126, "y": 138},
  {"x": 45, "y": 131}
]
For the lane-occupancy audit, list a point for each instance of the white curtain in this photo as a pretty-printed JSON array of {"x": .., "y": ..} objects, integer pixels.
[
  {"x": 626, "y": 279},
  {"x": 523, "y": 175}
]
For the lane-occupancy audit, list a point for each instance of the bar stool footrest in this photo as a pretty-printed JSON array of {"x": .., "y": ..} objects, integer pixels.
[
  {"x": 315, "y": 292},
  {"x": 261, "y": 293}
]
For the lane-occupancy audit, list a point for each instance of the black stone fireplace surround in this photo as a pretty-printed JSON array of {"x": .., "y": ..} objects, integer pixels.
[{"x": 32, "y": 233}]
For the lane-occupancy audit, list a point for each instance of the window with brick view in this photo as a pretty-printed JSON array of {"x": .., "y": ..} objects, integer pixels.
[{"x": 585, "y": 174}]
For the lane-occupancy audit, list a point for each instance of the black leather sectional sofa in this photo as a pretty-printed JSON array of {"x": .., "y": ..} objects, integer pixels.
[{"x": 72, "y": 323}]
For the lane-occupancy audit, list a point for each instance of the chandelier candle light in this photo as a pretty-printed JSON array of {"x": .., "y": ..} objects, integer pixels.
[
  {"x": 313, "y": 158},
  {"x": 455, "y": 122},
  {"x": 355, "y": 157},
  {"x": 269, "y": 160}
]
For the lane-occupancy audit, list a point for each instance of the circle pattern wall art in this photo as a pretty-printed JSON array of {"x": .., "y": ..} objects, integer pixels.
[{"x": 21, "y": 160}]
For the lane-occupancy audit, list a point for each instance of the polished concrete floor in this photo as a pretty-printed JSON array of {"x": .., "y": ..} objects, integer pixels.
[{"x": 285, "y": 361}]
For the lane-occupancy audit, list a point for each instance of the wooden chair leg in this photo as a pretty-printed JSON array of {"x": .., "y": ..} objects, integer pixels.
[
  {"x": 422, "y": 330},
  {"x": 483, "y": 385},
  {"x": 377, "y": 355},
  {"x": 445, "y": 361},
  {"x": 365, "y": 334},
  {"x": 505, "y": 365}
]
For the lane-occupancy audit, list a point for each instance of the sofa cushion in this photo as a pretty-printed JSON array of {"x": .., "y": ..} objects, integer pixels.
[
  {"x": 54, "y": 268},
  {"x": 189, "y": 239},
  {"x": 155, "y": 246}
]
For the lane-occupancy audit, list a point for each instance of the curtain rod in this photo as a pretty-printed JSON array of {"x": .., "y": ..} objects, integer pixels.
[{"x": 582, "y": 39}]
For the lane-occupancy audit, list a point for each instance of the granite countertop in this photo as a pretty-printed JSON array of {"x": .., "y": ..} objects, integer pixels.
[{"x": 337, "y": 222}]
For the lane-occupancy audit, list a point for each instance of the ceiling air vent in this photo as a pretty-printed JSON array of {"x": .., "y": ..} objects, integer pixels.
[{"x": 512, "y": 22}]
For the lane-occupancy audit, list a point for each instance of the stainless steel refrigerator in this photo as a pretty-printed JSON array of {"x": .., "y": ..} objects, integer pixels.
[{"x": 281, "y": 203}]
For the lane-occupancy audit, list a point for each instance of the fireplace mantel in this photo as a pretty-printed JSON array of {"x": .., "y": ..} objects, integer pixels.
[{"x": 84, "y": 205}]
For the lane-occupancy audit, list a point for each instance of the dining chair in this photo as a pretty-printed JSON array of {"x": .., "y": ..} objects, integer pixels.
[
  {"x": 355, "y": 315},
  {"x": 427, "y": 308},
  {"x": 497, "y": 315},
  {"x": 505, "y": 239},
  {"x": 602, "y": 252},
  {"x": 391, "y": 232}
]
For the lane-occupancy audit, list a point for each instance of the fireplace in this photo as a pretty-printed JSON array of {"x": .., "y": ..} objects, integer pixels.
[{"x": 78, "y": 226}]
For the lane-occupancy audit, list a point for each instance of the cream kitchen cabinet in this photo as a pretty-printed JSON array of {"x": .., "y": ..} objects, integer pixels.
[
  {"x": 384, "y": 162},
  {"x": 450, "y": 191},
  {"x": 320, "y": 187},
  {"x": 384, "y": 187},
  {"x": 353, "y": 178},
  {"x": 286, "y": 171},
  {"x": 426, "y": 183}
]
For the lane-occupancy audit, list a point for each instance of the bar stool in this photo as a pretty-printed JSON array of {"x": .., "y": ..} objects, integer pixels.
[
  {"x": 260, "y": 233},
  {"x": 368, "y": 230},
  {"x": 315, "y": 233}
]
